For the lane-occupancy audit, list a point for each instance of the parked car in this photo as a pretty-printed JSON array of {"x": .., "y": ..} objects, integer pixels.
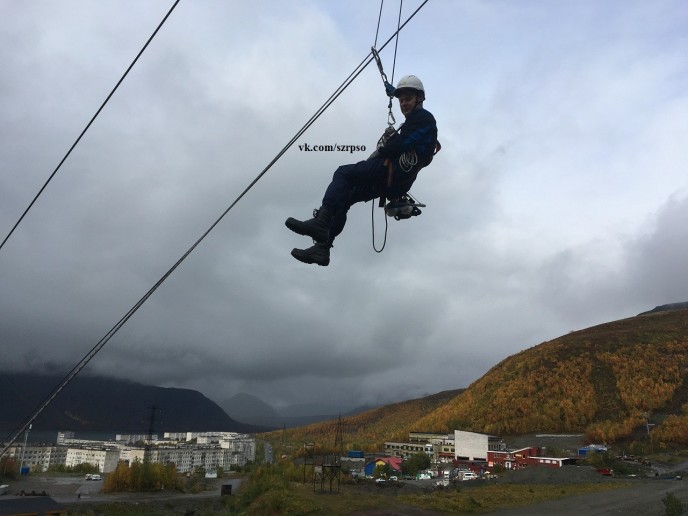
[{"x": 469, "y": 475}]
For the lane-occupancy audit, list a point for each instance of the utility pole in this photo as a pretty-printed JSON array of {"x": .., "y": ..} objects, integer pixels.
[
  {"x": 151, "y": 430},
  {"x": 308, "y": 459},
  {"x": 646, "y": 415},
  {"x": 26, "y": 438}
]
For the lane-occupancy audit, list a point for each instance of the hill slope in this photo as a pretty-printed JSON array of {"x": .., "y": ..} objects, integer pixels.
[
  {"x": 365, "y": 431},
  {"x": 601, "y": 381}
]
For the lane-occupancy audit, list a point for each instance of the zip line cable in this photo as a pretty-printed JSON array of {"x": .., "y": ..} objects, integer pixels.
[
  {"x": 92, "y": 353},
  {"x": 89, "y": 124},
  {"x": 396, "y": 42},
  {"x": 379, "y": 17}
]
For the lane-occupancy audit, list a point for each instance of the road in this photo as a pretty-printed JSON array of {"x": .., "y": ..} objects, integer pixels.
[{"x": 643, "y": 498}]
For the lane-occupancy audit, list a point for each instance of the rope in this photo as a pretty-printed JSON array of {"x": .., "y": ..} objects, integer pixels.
[
  {"x": 390, "y": 116},
  {"x": 92, "y": 353},
  {"x": 372, "y": 221},
  {"x": 89, "y": 124}
]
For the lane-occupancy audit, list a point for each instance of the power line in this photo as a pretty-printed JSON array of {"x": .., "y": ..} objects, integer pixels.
[
  {"x": 89, "y": 124},
  {"x": 92, "y": 353}
]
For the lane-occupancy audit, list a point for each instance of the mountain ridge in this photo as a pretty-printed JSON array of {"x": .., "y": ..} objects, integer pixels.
[
  {"x": 105, "y": 404},
  {"x": 253, "y": 410}
]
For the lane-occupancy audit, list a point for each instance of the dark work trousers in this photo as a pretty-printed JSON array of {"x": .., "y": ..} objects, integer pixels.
[{"x": 358, "y": 182}]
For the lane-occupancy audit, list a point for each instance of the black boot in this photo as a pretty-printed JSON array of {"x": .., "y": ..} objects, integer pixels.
[
  {"x": 318, "y": 228},
  {"x": 319, "y": 253}
]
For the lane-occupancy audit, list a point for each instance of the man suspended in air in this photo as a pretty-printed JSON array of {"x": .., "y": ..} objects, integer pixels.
[{"x": 389, "y": 172}]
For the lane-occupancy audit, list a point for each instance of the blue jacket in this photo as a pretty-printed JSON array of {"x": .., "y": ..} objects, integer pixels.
[{"x": 412, "y": 147}]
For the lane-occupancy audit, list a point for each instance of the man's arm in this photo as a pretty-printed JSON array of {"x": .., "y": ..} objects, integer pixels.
[{"x": 419, "y": 134}]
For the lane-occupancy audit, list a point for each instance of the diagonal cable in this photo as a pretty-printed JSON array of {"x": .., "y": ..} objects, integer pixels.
[{"x": 59, "y": 165}]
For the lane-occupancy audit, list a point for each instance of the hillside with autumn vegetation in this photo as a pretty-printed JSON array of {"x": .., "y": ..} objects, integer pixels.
[
  {"x": 367, "y": 430},
  {"x": 607, "y": 382},
  {"x": 602, "y": 381}
]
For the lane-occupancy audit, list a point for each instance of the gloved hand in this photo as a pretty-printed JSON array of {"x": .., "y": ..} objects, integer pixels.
[
  {"x": 389, "y": 89},
  {"x": 389, "y": 132}
]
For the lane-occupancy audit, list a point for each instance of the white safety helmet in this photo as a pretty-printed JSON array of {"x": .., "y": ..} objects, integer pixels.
[{"x": 410, "y": 82}]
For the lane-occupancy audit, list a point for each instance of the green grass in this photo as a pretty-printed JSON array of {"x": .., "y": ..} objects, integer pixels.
[
  {"x": 298, "y": 499},
  {"x": 500, "y": 496}
]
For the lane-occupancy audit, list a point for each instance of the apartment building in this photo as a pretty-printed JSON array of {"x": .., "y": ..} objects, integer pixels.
[
  {"x": 228, "y": 449},
  {"x": 38, "y": 457}
]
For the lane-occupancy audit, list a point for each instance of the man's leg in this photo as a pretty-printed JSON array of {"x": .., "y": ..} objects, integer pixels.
[
  {"x": 354, "y": 183},
  {"x": 320, "y": 252},
  {"x": 350, "y": 184},
  {"x": 318, "y": 228}
]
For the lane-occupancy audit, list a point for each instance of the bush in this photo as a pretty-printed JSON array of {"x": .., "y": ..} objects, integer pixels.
[
  {"x": 82, "y": 468},
  {"x": 8, "y": 467},
  {"x": 142, "y": 476},
  {"x": 417, "y": 462},
  {"x": 673, "y": 505}
]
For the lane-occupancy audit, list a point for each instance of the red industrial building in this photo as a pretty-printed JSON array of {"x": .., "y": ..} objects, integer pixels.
[{"x": 517, "y": 459}]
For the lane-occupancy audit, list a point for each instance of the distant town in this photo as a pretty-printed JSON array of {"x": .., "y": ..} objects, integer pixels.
[
  {"x": 460, "y": 451},
  {"x": 187, "y": 450}
]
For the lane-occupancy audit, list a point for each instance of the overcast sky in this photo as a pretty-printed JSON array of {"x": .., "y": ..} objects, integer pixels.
[{"x": 559, "y": 199}]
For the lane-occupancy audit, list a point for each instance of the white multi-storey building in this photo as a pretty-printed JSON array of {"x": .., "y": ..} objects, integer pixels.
[
  {"x": 473, "y": 446},
  {"x": 439, "y": 447},
  {"x": 134, "y": 438},
  {"x": 228, "y": 449},
  {"x": 38, "y": 457},
  {"x": 188, "y": 459},
  {"x": 62, "y": 437},
  {"x": 105, "y": 459},
  {"x": 130, "y": 455},
  {"x": 233, "y": 449}
]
